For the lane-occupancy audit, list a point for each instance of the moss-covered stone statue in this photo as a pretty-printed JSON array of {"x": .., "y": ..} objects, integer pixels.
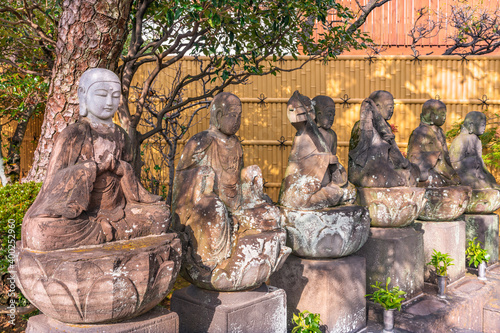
[
  {"x": 466, "y": 157},
  {"x": 315, "y": 193},
  {"x": 95, "y": 246},
  {"x": 232, "y": 234},
  {"x": 376, "y": 163},
  {"x": 427, "y": 148}
]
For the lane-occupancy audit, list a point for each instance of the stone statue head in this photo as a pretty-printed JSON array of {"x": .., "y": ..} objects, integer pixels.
[
  {"x": 225, "y": 113},
  {"x": 99, "y": 94},
  {"x": 325, "y": 111},
  {"x": 384, "y": 102},
  {"x": 474, "y": 123},
  {"x": 298, "y": 107},
  {"x": 433, "y": 112}
]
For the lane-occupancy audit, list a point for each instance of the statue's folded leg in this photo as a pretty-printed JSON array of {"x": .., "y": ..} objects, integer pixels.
[
  {"x": 142, "y": 220},
  {"x": 53, "y": 233}
]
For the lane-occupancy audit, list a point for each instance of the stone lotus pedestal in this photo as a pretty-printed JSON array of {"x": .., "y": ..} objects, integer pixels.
[
  {"x": 259, "y": 310},
  {"x": 445, "y": 203},
  {"x": 333, "y": 288},
  {"x": 485, "y": 228},
  {"x": 392, "y": 207},
  {"x": 397, "y": 253},
  {"x": 484, "y": 201},
  {"x": 445, "y": 237},
  {"x": 101, "y": 283},
  {"x": 327, "y": 233}
]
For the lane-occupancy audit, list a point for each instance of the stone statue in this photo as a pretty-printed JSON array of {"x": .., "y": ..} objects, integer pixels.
[
  {"x": 232, "y": 231},
  {"x": 466, "y": 153},
  {"x": 374, "y": 158},
  {"x": 466, "y": 158},
  {"x": 427, "y": 148},
  {"x": 315, "y": 182},
  {"x": 386, "y": 180},
  {"x": 94, "y": 211},
  {"x": 445, "y": 199},
  {"x": 314, "y": 178}
]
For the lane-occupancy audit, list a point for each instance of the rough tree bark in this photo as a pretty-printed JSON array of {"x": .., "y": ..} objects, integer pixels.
[{"x": 91, "y": 34}]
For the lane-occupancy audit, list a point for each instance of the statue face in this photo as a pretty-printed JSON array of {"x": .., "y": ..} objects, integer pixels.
[
  {"x": 386, "y": 107},
  {"x": 438, "y": 117},
  {"x": 230, "y": 116},
  {"x": 297, "y": 113},
  {"x": 102, "y": 99},
  {"x": 479, "y": 127},
  {"x": 325, "y": 115}
]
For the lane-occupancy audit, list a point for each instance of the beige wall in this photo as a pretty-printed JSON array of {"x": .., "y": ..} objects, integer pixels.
[{"x": 460, "y": 84}]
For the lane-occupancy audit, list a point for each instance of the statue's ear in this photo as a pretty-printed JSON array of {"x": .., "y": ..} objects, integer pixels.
[
  {"x": 82, "y": 101},
  {"x": 218, "y": 116}
]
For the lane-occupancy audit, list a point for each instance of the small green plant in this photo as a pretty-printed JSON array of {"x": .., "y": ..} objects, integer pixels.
[
  {"x": 306, "y": 322},
  {"x": 389, "y": 299},
  {"x": 475, "y": 253},
  {"x": 440, "y": 261}
]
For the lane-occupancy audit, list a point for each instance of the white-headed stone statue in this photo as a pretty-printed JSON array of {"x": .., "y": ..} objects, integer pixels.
[
  {"x": 232, "y": 232},
  {"x": 95, "y": 247}
]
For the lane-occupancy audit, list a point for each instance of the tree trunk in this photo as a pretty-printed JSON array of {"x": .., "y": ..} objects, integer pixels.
[
  {"x": 3, "y": 178},
  {"x": 91, "y": 34}
]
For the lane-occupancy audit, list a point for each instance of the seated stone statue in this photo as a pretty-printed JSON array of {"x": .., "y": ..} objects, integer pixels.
[
  {"x": 315, "y": 193},
  {"x": 314, "y": 178},
  {"x": 232, "y": 231},
  {"x": 374, "y": 158},
  {"x": 466, "y": 154},
  {"x": 91, "y": 194},
  {"x": 427, "y": 148},
  {"x": 94, "y": 246}
]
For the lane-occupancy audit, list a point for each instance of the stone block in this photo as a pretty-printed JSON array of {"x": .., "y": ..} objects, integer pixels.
[
  {"x": 158, "y": 320},
  {"x": 445, "y": 237},
  {"x": 333, "y": 288},
  {"x": 485, "y": 228},
  {"x": 259, "y": 310},
  {"x": 397, "y": 253}
]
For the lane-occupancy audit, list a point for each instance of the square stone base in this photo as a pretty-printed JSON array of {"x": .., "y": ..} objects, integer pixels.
[
  {"x": 397, "y": 253},
  {"x": 485, "y": 228},
  {"x": 157, "y": 320},
  {"x": 259, "y": 310},
  {"x": 334, "y": 288},
  {"x": 445, "y": 237}
]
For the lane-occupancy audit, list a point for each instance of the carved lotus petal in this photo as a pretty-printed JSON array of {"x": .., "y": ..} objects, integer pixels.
[
  {"x": 484, "y": 201},
  {"x": 445, "y": 203}
]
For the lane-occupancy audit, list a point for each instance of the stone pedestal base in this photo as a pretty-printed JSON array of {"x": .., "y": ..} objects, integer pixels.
[
  {"x": 259, "y": 310},
  {"x": 445, "y": 237},
  {"x": 333, "y": 288},
  {"x": 485, "y": 228},
  {"x": 158, "y": 320},
  {"x": 397, "y": 253}
]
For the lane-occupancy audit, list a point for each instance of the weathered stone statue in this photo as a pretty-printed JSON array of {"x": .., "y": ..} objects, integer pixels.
[
  {"x": 374, "y": 158},
  {"x": 466, "y": 157},
  {"x": 233, "y": 236},
  {"x": 427, "y": 148},
  {"x": 94, "y": 211},
  {"x": 386, "y": 180},
  {"x": 315, "y": 182}
]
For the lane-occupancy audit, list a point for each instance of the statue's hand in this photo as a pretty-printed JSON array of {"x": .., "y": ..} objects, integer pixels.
[
  {"x": 366, "y": 110},
  {"x": 109, "y": 163}
]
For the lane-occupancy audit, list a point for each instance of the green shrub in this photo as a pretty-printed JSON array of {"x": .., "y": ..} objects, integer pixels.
[
  {"x": 475, "y": 253},
  {"x": 440, "y": 261},
  {"x": 389, "y": 299},
  {"x": 15, "y": 200},
  {"x": 306, "y": 322}
]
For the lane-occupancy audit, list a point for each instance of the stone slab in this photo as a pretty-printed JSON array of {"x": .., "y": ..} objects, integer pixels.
[
  {"x": 259, "y": 310},
  {"x": 445, "y": 237},
  {"x": 158, "y": 320},
  {"x": 485, "y": 228},
  {"x": 461, "y": 311},
  {"x": 334, "y": 288},
  {"x": 397, "y": 253}
]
